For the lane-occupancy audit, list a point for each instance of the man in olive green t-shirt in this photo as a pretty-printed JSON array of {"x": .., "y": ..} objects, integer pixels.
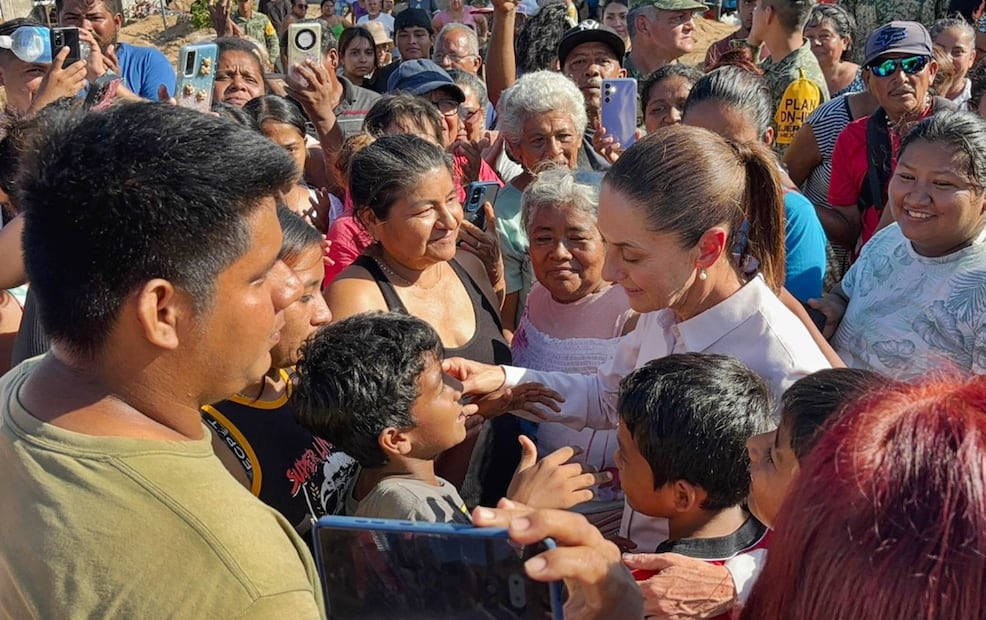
[{"x": 152, "y": 253}]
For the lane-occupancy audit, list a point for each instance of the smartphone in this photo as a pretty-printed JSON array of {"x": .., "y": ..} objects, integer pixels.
[
  {"x": 304, "y": 42},
  {"x": 67, "y": 36},
  {"x": 479, "y": 193},
  {"x": 381, "y": 568},
  {"x": 619, "y": 110},
  {"x": 196, "y": 75}
]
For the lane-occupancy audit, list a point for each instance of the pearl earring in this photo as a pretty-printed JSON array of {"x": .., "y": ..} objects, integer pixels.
[{"x": 702, "y": 274}]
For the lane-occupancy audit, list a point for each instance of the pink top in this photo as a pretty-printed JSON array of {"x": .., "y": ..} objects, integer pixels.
[{"x": 443, "y": 18}]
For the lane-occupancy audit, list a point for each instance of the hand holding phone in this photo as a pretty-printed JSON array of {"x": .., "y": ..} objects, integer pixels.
[
  {"x": 197, "y": 65},
  {"x": 304, "y": 43},
  {"x": 619, "y": 110},
  {"x": 596, "y": 580},
  {"x": 479, "y": 193},
  {"x": 373, "y": 567},
  {"x": 67, "y": 37}
]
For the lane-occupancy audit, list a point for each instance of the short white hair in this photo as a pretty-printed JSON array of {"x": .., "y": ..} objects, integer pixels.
[
  {"x": 537, "y": 93},
  {"x": 557, "y": 187},
  {"x": 472, "y": 41}
]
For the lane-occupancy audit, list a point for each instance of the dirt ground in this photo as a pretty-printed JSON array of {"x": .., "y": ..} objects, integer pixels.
[{"x": 151, "y": 31}]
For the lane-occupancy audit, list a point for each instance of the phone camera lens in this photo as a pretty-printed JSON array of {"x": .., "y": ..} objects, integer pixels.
[{"x": 607, "y": 100}]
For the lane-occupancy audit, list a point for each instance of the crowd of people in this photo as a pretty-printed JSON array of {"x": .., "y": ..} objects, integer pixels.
[{"x": 734, "y": 369}]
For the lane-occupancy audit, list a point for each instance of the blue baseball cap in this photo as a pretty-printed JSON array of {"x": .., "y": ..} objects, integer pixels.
[{"x": 422, "y": 76}]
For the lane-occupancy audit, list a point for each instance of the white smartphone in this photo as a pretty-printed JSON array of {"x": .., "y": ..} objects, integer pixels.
[{"x": 304, "y": 42}]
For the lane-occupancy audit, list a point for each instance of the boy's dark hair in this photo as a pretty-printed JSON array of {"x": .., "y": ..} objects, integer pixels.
[
  {"x": 396, "y": 108},
  {"x": 359, "y": 376},
  {"x": 116, "y": 198},
  {"x": 115, "y": 7},
  {"x": 297, "y": 235},
  {"x": 792, "y": 14},
  {"x": 813, "y": 400},
  {"x": 690, "y": 415}
]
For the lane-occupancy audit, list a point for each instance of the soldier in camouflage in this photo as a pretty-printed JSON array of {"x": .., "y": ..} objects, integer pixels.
[
  {"x": 871, "y": 14},
  {"x": 779, "y": 25},
  {"x": 258, "y": 27}
]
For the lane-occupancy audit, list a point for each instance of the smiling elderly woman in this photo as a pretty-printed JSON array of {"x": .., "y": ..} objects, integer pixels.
[
  {"x": 573, "y": 317},
  {"x": 542, "y": 119}
]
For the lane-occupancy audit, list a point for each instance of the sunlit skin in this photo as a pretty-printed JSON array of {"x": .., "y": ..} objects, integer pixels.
[
  {"x": 422, "y": 226},
  {"x": 439, "y": 418},
  {"x": 566, "y": 252},
  {"x": 93, "y": 16},
  {"x": 937, "y": 206},
  {"x": 472, "y": 121},
  {"x": 666, "y": 103},
  {"x": 902, "y": 96},
  {"x": 452, "y": 52},
  {"x": 239, "y": 78},
  {"x": 21, "y": 81},
  {"x": 414, "y": 42},
  {"x": 773, "y": 468},
  {"x": 588, "y": 65},
  {"x": 550, "y": 137},
  {"x": 307, "y": 313},
  {"x": 962, "y": 49},
  {"x": 615, "y": 16},
  {"x": 357, "y": 61}
]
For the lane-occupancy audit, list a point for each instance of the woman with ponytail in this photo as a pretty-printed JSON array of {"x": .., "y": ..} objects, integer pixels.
[
  {"x": 735, "y": 104},
  {"x": 695, "y": 236}
]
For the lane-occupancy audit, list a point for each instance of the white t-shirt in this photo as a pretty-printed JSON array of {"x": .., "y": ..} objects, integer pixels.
[
  {"x": 383, "y": 18},
  {"x": 910, "y": 314}
]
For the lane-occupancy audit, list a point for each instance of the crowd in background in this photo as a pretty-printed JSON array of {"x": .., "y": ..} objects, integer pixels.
[{"x": 731, "y": 361}]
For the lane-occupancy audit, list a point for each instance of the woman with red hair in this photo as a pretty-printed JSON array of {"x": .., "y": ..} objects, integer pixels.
[{"x": 888, "y": 518}]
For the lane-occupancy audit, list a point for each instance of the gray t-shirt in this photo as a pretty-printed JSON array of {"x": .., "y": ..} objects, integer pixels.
[{"x": 406, "y": 498}]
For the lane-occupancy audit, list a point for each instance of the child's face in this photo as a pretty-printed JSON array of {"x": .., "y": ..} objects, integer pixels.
[
  {"x": 439, "y": 416},
  {"x": 773, "y": 467},
  {"x": 637, "y": 479}
]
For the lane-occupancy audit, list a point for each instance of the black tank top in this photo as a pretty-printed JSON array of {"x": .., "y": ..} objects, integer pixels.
[
  {"x": 297, "y": 474},
  {"x": 487, "y": 344}
]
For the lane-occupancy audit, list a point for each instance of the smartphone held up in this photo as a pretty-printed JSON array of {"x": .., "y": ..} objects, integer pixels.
[
  {"x": 386, "y": 569},
  {"x": 619, "y": 110},
  {"x": 196, "y": 75}
]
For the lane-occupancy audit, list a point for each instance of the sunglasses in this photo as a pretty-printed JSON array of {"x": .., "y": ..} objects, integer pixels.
[{"x": 910, "y": 65}]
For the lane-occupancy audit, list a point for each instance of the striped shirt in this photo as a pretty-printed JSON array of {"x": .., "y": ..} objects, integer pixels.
[{"x": 827, "y": 122}]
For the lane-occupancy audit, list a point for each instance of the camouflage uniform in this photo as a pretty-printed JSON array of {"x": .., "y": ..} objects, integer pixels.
[
  {"x": 260, "y": 29},
  {"x": 779, "y": 75},
  {"x": 871, "y": 14}
]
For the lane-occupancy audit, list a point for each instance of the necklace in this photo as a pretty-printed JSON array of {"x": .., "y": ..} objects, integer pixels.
[{"x": 404, "y": 281}]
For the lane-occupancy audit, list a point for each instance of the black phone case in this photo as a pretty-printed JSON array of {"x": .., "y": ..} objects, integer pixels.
[{"x": 66, "y": 37}]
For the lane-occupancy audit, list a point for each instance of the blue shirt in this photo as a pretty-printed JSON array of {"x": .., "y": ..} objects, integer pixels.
[
  {"x": 804, "y": 245},
  {"x": 144, "y": 69}
]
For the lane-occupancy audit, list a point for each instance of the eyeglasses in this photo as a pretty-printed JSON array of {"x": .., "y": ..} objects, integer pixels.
[
  {"x": 448, "y": 107},
  {"x": 452, "y": 58},
  {"x": 910, "y": 65},
  {"x": 467, "y": 113}
]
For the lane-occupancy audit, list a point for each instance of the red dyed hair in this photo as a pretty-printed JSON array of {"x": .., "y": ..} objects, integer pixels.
[{"x": 888, "y": 516}]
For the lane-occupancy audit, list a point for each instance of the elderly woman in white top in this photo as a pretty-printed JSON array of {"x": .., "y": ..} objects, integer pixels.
[
  {"x": 685, "y": 216},
  {"x": 915, "y": 300},
  {"x": 573, "y": 316}
]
